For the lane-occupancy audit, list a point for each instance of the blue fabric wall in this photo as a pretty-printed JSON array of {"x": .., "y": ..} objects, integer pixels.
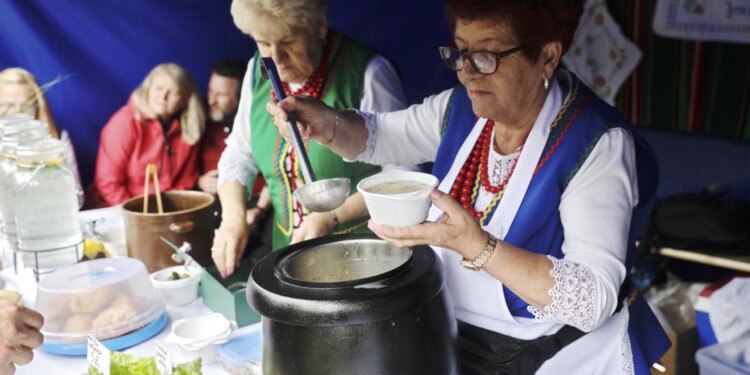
[{"x": 108, "y": 46}]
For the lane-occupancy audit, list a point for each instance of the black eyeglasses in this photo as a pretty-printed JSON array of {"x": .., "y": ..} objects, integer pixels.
[{"x": 483, "y": 62}]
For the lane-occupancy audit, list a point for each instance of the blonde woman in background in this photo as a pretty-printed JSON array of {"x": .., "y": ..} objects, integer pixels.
[
  {"x": 161, "y": 124},
  {"x": 20, "y": 92}
]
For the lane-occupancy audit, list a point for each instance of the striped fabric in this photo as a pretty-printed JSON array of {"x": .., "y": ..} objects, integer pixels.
[{"x": 697, "y": 87}]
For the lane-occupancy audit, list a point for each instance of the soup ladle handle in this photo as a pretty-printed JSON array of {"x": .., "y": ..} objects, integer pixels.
[{"x": 268, "y": 70}]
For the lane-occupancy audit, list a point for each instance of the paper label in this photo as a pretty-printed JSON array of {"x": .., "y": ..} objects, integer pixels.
[
  {"x": 163, "y": 361},
  {"x": 98, "y": 355}
]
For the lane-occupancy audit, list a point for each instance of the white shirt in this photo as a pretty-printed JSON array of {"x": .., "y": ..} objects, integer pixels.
[{"x": 595, "y": 211}]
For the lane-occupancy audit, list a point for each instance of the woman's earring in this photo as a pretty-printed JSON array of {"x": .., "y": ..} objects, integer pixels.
[{"x": 546, "y": 83}]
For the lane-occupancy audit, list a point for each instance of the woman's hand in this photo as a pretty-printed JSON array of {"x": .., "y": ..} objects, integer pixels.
[
  {"x": 253, "y": 216},
  {"x": 456, "y": 229},
  {"x": 315, "y": 225},
  {"x": 229, "y": 244},
  {"x": 314, "y": 118},
  {"x": 208, "y": 181}
]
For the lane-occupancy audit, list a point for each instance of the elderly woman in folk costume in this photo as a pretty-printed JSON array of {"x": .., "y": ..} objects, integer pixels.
[
  {"x": 542, "y": 187},
  {"x": 315, "y": 61}
]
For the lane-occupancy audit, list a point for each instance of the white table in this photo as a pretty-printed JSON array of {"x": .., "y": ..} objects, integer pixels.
[{"x": 46, "y": 363}]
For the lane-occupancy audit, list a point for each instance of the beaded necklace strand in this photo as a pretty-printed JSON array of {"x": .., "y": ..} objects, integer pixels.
[{"x": 475, "y": 172}]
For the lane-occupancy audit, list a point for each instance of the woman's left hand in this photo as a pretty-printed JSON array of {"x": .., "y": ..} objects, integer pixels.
[
  {"x": 456, "y": 229},
  {"x": 317, "y": 224}
]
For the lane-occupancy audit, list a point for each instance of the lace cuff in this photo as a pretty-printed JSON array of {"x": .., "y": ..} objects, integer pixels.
[
  {"x": 366, "y": 155},
  {"x": 574, "y": 296},
  {"x": 230, "y": 170}
]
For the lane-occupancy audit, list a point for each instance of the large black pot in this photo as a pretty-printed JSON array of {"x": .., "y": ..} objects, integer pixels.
[{"x": 353, "y": 304}]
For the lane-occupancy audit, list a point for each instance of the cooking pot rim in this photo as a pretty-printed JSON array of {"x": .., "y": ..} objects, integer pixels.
[
  {"x": 289, "y": 254},
  {"x": 209, "y": 202},
  {"x": 281, "y": 301}
]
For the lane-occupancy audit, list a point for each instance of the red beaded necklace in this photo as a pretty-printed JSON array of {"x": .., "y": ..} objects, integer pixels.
[
  {"x": 314, "y": 83},
  {"x": 475, "y": 171}
]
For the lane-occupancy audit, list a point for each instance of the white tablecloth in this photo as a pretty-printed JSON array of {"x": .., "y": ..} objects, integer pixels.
[{"x": 46, "y": 363}]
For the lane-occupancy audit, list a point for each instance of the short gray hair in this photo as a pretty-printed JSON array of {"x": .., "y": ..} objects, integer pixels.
[{"x": 254, "y": 15}]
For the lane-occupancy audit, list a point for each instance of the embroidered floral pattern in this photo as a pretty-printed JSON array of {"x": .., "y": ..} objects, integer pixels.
[
  {"x": 573, "y": 296},
  {"x": 501, "y": 166},
  {"x": 627, "y": 352}
]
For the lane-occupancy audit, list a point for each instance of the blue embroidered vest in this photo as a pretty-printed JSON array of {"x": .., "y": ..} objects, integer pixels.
[{"x": 537, "y": 226}]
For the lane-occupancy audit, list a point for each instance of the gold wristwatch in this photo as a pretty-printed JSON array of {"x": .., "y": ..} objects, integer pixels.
[{"x": 477, "y": 264}]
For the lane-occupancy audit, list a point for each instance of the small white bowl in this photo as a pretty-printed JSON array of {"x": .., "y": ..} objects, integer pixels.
[
  {"x": 176, "y": 292},
  {"x": 396, "y": 208},
  {"x": 199, "y": 336}
]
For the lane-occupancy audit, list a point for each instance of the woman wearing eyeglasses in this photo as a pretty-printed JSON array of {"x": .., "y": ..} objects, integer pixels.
[{"x": 541, "y": 184}]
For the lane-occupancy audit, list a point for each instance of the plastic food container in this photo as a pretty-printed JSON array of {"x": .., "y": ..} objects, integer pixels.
[
  {"x": 177, "y": 292},
  {"x": 398, "y": 198},
  {"x": 106, "y": 298},
  {"x": 242, "y": 354},
  {"x": 198, "y": 336}
]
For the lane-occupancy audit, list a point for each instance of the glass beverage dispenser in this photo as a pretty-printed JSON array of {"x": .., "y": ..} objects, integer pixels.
[{"x": 46, "y": 206}]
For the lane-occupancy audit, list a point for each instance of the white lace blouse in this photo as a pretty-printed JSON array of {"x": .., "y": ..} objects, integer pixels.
[{"x": 590, "y": 273}]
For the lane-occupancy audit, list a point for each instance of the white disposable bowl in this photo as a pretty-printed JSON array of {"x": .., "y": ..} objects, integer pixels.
[
  {"x": 199, "y": 336},
  {"x": 176, "y": 292},
  {"x": 398, "y": 210}
]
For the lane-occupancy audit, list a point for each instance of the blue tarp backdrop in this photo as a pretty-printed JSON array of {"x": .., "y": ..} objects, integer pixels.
[{"x": 108, "y": 46}]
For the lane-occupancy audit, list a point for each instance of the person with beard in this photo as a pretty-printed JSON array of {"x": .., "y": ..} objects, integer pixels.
[
  {"x": 224, "y": 88},
  {"x": 222, "y": 99}
]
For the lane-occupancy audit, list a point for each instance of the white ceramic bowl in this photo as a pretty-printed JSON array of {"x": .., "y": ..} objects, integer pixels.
[
  {"x": 387, "y": 202},
  {"x": 176, "y": 292},
  {"x": 199, "y": 336}
]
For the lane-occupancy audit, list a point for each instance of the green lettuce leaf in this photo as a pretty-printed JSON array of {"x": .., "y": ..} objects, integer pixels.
[{"x": 128, "y": 364}]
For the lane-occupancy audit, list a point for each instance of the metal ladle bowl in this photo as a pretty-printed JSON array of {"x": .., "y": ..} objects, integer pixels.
[
  {"x": 323, "y": 195},
  {"x": 315, "y": 195}
]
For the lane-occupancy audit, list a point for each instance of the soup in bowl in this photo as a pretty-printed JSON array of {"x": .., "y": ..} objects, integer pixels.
[{"x": 398, "y": 198}]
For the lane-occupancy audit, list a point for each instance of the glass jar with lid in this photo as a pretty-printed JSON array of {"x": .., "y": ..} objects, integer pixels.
[
  {"x": 46, "y": 206},
  {"x": 14, "y": 130}
]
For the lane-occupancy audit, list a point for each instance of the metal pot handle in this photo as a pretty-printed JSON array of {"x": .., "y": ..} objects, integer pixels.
[{"x": 182, "y": 227}]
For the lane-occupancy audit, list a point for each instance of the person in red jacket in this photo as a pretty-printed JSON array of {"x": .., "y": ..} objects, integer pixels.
[{"x": 162, "y": 124}]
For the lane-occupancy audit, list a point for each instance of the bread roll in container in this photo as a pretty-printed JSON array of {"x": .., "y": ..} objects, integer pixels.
[{"x": 106, "y": 298}]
